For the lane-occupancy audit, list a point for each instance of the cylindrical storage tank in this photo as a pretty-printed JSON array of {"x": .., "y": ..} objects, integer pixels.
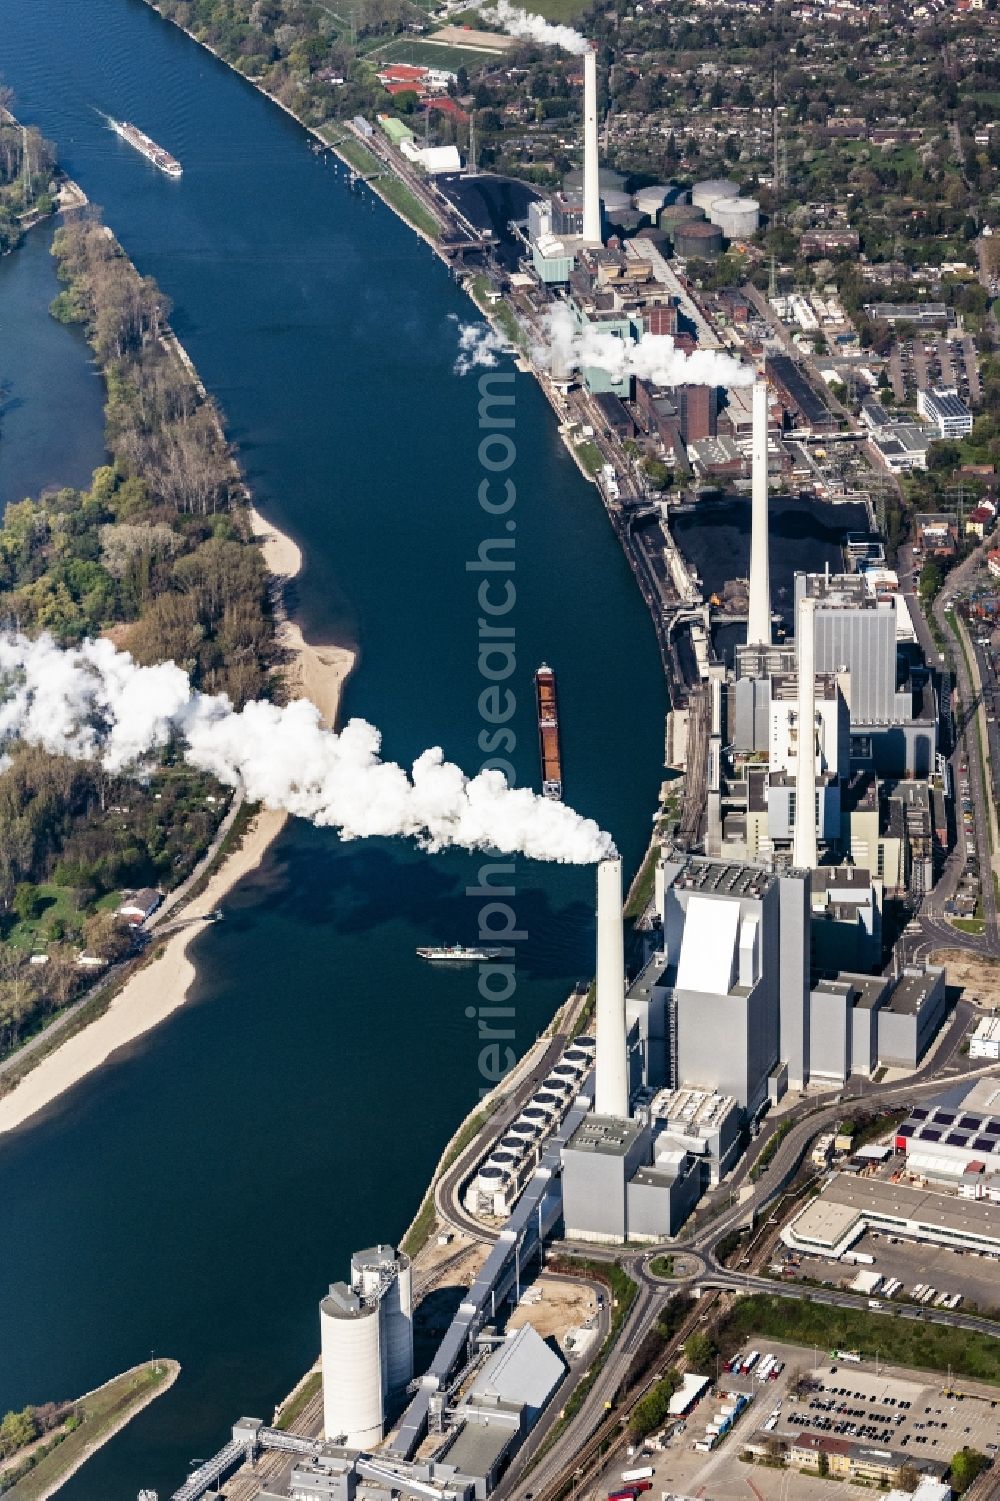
[
  {"x": 397, "y": 1328},
  {"x": 353, "y": 1411},
  {"x": 615, "y": 202},
  {"x": 607, "y": 178},
  {"x": 651, "y": 200},
  {"x": 678, "y": 213},
  {"x": 704, "y": 194},
  {"x": 589, "y": 1043},
  {"x": 557, "y": 1083},
  {"x": 657, "y": 237},
  {"x": 738, "y": 218},
  {"x": 698, "y": 241},
  {"x": 543, "y": 1103}
]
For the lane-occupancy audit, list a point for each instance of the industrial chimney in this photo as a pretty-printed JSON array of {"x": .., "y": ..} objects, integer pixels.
[
  {"x": 611, "y": 1093},
  {"x": 759, "y": 624},
  {"x": 804, "y": 852},
  {"x": 591, "y": 173}
]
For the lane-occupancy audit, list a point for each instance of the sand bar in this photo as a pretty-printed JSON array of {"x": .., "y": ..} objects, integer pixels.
[{"x": 162, "y": 984}]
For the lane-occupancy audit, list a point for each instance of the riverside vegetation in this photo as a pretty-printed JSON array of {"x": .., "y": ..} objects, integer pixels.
[
  {"x": 27, "y": 162},
  {"x": 158, "y": 556}
]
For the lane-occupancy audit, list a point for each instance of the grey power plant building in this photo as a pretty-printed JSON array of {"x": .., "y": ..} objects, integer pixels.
[{"x": 723, "y": 1019}]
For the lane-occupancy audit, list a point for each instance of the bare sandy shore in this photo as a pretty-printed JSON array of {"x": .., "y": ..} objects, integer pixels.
[{"x": 161, "y": 985}]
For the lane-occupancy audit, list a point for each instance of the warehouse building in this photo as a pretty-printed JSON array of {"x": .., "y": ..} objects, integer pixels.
[
  {"x": 955, "y": 1140},
  {"x": 849, "y": 1206}
]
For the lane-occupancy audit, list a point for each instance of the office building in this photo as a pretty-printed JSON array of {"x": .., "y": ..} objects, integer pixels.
[{"x": 943, "y": 407}]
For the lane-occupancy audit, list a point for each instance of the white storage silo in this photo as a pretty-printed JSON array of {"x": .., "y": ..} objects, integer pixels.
[
  {"x": 738, "y": 218},
  {"x": 650, "y": 200},
  {"x": 353, "y": 1407},
  {"x": 704, "y": 194},
  {"x": 397, "y": 1329}
]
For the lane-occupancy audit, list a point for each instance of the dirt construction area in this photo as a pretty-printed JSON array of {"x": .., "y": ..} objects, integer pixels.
[
  {"x": 913, "y": 1414},
  {"x": 557, "y": 1308},
  {"x": 978, "y": 979}
]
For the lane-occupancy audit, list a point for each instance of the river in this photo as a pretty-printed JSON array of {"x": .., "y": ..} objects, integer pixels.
[
  {"x": 51, "y": 396},
  {"x": 196, "y": 1197}
]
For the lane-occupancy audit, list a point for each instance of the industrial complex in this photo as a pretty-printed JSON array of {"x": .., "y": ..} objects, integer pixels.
[{"x": 765, "y": 985}]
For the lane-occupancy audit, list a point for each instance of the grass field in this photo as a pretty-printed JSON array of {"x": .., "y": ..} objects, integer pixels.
[
  {"x": 301, "y": 1400},
  {"x": 56, "y": 903},
  {"x": 424, "y": 54},
  {"x": 927, "y": 1347},
  {"x": 395, "y": 192},
  {"x": 99, "y": 1415}
]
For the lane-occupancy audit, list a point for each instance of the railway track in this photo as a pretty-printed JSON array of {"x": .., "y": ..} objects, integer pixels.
[{"x": 612, "y": 1433}]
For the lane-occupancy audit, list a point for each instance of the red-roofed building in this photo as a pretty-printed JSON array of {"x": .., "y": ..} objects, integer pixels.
[
  {"x": 402, "y": 73},
  {"x": 993, "y": 561},
  {"x": 445, "y": 105}
]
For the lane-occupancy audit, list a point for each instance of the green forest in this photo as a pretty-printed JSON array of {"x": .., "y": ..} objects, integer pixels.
[{"x": 157, "y": 555}]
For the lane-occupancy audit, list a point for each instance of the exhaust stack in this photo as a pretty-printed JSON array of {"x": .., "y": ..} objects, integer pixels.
[
  {"x": 611, "y": 1092},
  {"x": 759, "y": 623},
  {"x": 804, "y": 850},
  {"x": 591, "y": 177}
]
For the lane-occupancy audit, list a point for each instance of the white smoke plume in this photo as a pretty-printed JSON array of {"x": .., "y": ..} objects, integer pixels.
[
  {"x": 532, "y": 28},
  {"x": 479, "y": 347},
  {"x": 93, "y": 701},
  {"x": 655, "y": 357}
]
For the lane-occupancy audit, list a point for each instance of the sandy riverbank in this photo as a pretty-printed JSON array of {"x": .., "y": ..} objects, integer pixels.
[
  {"x": 311, "y": 671},
  {"x": 161, "y": 986}
]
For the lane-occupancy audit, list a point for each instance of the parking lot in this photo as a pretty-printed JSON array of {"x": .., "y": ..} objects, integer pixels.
[
  {"x": 911, "y": 1407},
  {"x": 975, "y": 1277}
]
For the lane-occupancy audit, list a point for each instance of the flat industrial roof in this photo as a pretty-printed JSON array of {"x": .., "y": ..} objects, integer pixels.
[
  {"x": 478, "y": 1447},
  {"x": 603, "y": 1134},
  {"x": 859, "y": 1196},
  {"x": 825, "y": 1223}
]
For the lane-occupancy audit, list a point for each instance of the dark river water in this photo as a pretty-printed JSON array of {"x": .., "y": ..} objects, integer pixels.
[{"x": 196, "y": 1197}]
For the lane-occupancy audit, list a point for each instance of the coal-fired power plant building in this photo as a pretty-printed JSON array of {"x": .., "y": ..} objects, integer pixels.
[{"x": 366, "y": 1338}]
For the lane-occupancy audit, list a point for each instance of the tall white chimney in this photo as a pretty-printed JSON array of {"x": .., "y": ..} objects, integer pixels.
[
  {"x": 611, "y": 1092},
  {"x": 759, "y": 624},
  {"x": 591, "y": 173},
  {"x": 804, "y": 852}
]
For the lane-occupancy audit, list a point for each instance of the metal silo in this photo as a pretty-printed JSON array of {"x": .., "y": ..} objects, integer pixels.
[
  {"x": 396, "y": 1309},
  {"x": 704, "y": 194},
  {"x": 650, "y": 200},
  {"x": 698, "y": 241},
  {"x": 353, "y": 1403},
  {"x": 738, "y": 218}
]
